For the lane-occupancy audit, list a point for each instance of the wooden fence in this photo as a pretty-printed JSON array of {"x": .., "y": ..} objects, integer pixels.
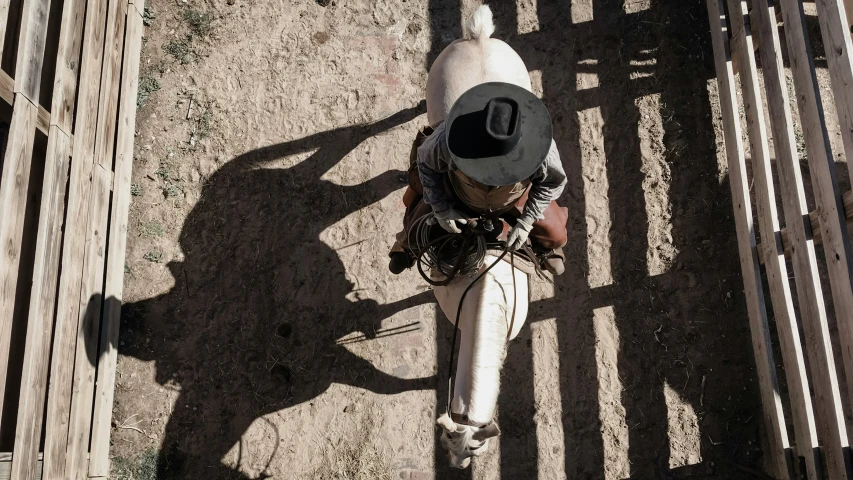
[
  {"x": 69, "y": 77},
  {"x": 743, "y": 32}
]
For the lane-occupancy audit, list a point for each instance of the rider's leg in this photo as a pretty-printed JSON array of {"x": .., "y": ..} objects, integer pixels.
[
  {"x": 400, "y": 253},
  {"x": 549, "y": 236}
]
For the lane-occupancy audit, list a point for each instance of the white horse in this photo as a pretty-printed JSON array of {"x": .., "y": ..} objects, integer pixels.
[{"x": 495, "y": 308}]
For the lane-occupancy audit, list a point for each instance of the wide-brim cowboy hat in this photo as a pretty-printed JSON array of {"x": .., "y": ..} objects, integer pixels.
[{"x": 498, "y": 133}]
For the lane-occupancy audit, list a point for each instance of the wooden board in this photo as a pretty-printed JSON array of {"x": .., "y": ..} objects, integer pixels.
[
  {"x": 6, "y": 466},
  {"x": 833, "y": 228},
  {"x": 42, "y": 303},
  {"x": 110, "y": 80},
  {"x": 736, "y": 43},
  {"x": 99, "y": 465},
  {"x": 31, "y": 48},
  {"x": 774, "y": 254},
  {"x": 837, "y": 45},
  {"x": 79, "y": 190},
  {"x": 4, "y": 20},
  {"x": 766, "y": 367},
  {"x": 7, "y": 93},
  {"x": 88, "y": 326},
  {"x": 67, "y": 65},
  {"x": 14, "y": 187},
  {"x": 6, "y": 470}
]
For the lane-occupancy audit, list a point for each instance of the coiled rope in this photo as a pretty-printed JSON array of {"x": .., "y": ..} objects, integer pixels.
[{"x": 449, "y": 254}]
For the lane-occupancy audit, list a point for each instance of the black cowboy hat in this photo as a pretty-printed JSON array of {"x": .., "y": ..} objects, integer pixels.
[{"x": 498, "y": 133}]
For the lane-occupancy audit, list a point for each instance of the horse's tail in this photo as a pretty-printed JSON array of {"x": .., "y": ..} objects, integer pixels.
[{"x": 480, "y": 25}]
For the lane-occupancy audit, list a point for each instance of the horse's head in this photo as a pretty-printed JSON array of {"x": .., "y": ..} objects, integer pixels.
[{"x": 464, "y": 441}]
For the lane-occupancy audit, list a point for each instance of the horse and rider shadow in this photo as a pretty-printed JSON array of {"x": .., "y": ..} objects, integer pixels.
[{"x": 250, "y": 326}]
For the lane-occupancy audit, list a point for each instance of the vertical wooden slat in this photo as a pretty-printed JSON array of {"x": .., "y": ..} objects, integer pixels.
[
  {"x": 837, "y": 45},
  {"x": 92, "y": 292},
  {"x": 848, "y": 5},
  {"x": 88, "y": 328},
  {"x": 773, "y": 252},
  {"x": 79, "y": 192},
  {"x": 42, "y": 302},
  {"x": 67, "y": 65},
  {"x": 766, "y": 368},
  {"x": 4, "y": 20},
  {"x": 99, "y": 456},
  {"x": 31, "y": 48},
  {"x": 13, "y": 199},
  {"x": 833, "y": 225},
  {"x": 110, "y": 82}
]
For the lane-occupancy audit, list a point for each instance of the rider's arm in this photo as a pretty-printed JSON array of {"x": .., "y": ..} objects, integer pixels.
[
  {"x": 547, "y": 185},
  {"x": 432, "y": 168}
]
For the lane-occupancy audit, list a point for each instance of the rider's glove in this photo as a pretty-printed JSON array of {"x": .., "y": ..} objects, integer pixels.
[
  {"x": 518, "y": 235},
  {"x": 449, "y": 218}
]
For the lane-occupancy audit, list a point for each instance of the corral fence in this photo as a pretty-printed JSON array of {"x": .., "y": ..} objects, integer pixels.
[
  {"x": 69, "y": 88},
  {"x": 750, "y": 41}
]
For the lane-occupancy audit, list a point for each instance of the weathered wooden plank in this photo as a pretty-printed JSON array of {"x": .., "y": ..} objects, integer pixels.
[
  {"x": 110, "y": 82},
  {"x": 837, "y": 45},
  {"x": 7, "y": 456},
  {"x": 14, "y": 187},
  {"x": 88, "y": 326},
  {"x": 6, "y": 470},
  {"x": 832, "y": 222},
  {"x": 765, "y": 365},
  {"x": 42, "y": 302},
  {"x": 736, "y": 43},
  {"x": 67, "y": 64},
  {"x": 74, "y": 243},
  {"x": 7, "y": 93},
  {"x": 31, "y": 48},
  {"x": 775, "y": 263},
  {"x": 99, "y": 465},
  {"x": 7, "y": 87},
  {"x": 4, "y": 20}
]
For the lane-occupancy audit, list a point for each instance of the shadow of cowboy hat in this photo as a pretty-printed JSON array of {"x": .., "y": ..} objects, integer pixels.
[{"x": 498, "y": 133}]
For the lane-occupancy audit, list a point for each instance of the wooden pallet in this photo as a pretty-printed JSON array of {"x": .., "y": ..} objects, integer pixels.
[
  {"x": 64, "y": 198},
  {"x": 820, "y": 448}
]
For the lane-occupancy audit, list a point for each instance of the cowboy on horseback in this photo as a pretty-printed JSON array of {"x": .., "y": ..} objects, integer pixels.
[{"x": 493, "y": 157}]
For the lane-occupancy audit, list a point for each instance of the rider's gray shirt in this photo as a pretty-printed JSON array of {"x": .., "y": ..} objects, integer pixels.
[{"x": 434, "y": 160}]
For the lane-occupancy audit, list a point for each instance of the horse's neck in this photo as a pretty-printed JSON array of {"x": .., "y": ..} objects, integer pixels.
[{"x": 485, "y": 320}]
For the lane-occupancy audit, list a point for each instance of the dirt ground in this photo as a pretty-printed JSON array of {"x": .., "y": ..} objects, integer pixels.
[{"x": 263, "y": 335}]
